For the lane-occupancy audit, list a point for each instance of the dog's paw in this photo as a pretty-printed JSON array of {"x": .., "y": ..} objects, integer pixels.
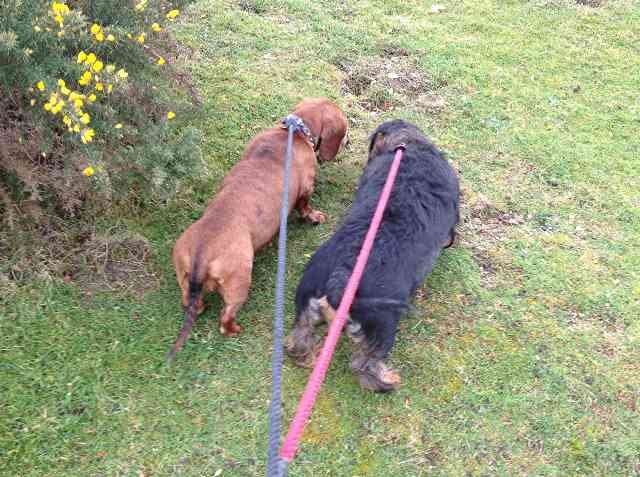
[
  {"x": 378, "y": 377},
  {"x": 303, "y": 355},
  {"x": 316, "y": 217},
  {"x": 230, "y": 329}
]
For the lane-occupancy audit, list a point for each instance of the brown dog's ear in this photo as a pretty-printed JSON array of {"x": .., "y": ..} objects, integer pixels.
[
  {"x": 376, "y": 145},
  {"x": 329, "y": 143}
]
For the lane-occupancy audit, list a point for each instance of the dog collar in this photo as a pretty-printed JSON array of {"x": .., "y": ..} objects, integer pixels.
[{"x": 299, "y": 126}]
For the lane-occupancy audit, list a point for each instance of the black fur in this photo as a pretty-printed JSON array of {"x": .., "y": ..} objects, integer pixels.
[{"x": 418, "y": 223}]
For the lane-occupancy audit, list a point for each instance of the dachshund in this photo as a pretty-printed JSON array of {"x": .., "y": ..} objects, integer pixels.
[{"x": 216, "y": 252}]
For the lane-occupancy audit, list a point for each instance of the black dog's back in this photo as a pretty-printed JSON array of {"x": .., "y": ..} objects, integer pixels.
[{"x": 417, "y": 223}]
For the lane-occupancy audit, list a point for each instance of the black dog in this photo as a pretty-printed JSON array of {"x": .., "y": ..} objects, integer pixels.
[{"x": 418, "y": 223}]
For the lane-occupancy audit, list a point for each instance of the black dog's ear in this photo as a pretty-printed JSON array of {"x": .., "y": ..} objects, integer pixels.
[{"x": 376, "y": 144}]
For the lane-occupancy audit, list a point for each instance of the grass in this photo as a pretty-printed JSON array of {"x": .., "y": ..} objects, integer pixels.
[{"x": 522, "y": 354}]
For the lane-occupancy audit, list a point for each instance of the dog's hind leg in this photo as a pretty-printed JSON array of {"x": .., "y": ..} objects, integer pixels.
[
  {"x": 302, "y": 345},
  {"x": 372, "y": 343},
  {"x": 371, "y": 347},
  {"x": 234, "y": 290}
]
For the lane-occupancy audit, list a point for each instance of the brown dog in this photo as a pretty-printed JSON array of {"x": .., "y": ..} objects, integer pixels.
[{"x": 216, "y": 252}]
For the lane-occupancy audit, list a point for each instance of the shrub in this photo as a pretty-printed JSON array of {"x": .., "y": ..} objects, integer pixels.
[{"x": 91, "y": 106}]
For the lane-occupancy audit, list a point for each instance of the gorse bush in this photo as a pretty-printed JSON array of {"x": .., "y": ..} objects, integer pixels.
[{"x": 91, "y": 105}]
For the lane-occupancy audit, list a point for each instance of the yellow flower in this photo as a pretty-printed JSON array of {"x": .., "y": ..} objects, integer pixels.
[
  {"x": 171, "y": 115},
  {"x": 118, "y": 126},
  {"x": 40, "y": 85},
  {"x": 85, "y": 118},
  {"x": 33, "y": 102},
  {"x": 66, "y": 120},
  {"x": 61, "y": 83},
  {"x": 81, "y": 57},
  {"x": 122, "y": 74},
  {"x": 173, "y": 14},
  {"x": 76, "y": 128},
  {"x": 75, "y": 95},
  {"x": 129, "y": 36},
  {"x": 140, "y": 38},
  {"x": 37, "y": 28},
  {"x": 95, "y": 29},
  {"x": 88, "y": 171},
  {"x": 86, "y": 78},
  {"x": 97, "y": 66},
  {"x": 78, "y": 103},
  {"x": 47, "y": 106},
  {"x": 161, "y": 61},
  {"x": 110, "y": 37},
  {"x": 87, "y": 135},
  {"x": 91, "y": 59},
  {"x": 58, "y": 107},
  {"x": 100, "y": 36},
  {"x": 99, "y": 86},
  {"x": 92, "y": 98},
  {"x": 59, "y": 20},
  {"x": 156, "y": 27},
  {"x": 109, "y": 88},
  {"x": 59, "y": 8},
  {"x": 65, "y": 90},
  {"x": 110, "y": 69}
]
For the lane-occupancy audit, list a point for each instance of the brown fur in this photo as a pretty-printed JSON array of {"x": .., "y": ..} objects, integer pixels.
[{"x": 216, "y": 252}]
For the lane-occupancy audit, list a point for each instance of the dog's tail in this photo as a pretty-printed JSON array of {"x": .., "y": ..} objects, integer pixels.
[{"x": 191, "y": 313}]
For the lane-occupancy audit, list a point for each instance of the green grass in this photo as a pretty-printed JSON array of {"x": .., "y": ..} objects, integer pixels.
[{"x": 522, "y": 354}]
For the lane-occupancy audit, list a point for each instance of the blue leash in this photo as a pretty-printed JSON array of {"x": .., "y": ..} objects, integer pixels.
[{"x": 274, "y": 465}]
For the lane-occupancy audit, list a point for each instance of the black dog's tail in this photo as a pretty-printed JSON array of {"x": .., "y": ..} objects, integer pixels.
[
  {"x": 337, "y": 284},
  {"x": 191, "y": 313},
  {"x": 381, "y": 303}
]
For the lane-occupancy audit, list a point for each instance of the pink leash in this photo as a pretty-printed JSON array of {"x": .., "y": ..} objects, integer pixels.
[{"x": 291, "y": 442}]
